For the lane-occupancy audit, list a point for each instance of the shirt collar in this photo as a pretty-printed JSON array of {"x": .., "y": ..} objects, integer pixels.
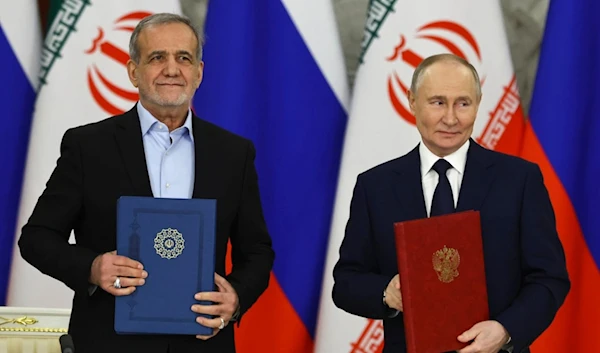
[
  {"x": 458, "y": 159},
  {"x": 147, "y": 120}
]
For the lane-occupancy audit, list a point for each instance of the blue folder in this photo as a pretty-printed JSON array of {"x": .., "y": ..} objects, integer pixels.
[{"x": 175, "y": 241}]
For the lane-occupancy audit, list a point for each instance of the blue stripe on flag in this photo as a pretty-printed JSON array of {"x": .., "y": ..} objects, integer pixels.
[
  {"x": 17, "y": 98},
  {"x": 565, "y": 110},
  {"x": 262, "y": 82}
]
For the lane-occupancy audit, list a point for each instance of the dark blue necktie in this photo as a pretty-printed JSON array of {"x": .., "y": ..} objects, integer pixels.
[{"x": 442, "y": 202}]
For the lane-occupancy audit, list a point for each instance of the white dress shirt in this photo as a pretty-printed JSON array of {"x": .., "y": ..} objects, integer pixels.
[{"x": 430, "y": 178}]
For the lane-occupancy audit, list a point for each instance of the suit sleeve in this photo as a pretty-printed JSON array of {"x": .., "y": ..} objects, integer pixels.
[
  {"x": 545, "y": 279},
  {"x": 44, "y": 240},
  {"x": 251, "y": 249},
  {"x": 358, "y": 285}
]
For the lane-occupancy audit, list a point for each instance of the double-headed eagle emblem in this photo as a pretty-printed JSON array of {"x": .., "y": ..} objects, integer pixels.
[{"x": 445, "y": 263}]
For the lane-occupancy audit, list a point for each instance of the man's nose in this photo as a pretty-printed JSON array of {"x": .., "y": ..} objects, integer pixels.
[
  {"x": 450, "y": 117},
  {"x": 171, "y": 67}
]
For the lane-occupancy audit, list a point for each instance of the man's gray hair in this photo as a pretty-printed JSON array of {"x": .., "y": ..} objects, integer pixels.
[
  {"x": 425, "y": 64},
  {"x": 161, "y": 19}
]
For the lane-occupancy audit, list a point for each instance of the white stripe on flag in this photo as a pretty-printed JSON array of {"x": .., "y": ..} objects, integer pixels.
[
  {"x": 322, "y": 40},
  {"x": 20, "y": 23}
]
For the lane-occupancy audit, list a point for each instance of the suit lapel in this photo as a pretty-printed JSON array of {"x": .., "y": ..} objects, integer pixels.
[
  {"x": 203, "y": 159},
  {"x": 479, "y": 175},
  {"x": 409, "y": 188},
  {"x": 131, "y": 147}
]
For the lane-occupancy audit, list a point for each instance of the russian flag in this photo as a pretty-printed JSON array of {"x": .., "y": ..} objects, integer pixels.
[
  {"x": 19, "y": 62},
  {"x": 561, "y": 137},
  {"x": 274, "y": 73}
]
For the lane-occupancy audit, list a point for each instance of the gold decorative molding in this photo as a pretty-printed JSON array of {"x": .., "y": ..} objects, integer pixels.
[
  {"x": 24, "y": 321},
  {"x": 16, "y": 321},
  {"x": 34, "y": 330}
]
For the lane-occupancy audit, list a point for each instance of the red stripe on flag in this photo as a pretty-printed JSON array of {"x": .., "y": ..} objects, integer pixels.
[
  {"x": 272, "y": 313},
  {"x": 575, "y": 328},
  {"x": 504, "y": 130},
  {"x": 272, "y": 326}
]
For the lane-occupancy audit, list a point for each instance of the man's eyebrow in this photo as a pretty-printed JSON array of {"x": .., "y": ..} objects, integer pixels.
[
  {"x": 466, "y": 98},
  {"x": 438, "y": 97},
  {"x": 157, "y": 52}
]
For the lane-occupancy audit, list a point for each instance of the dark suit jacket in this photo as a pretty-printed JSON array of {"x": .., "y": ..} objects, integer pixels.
[
  {"x": 102, "y": 161},
  {"x": 525, "y": 266}
]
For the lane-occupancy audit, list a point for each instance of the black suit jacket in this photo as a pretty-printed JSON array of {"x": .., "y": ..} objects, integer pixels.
[
  {"x": 102, "y": 161},
  {"x": 525, "y": 266}
]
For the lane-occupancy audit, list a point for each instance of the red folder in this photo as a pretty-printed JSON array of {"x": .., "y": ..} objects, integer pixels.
[{"x": 442, "y": 280}]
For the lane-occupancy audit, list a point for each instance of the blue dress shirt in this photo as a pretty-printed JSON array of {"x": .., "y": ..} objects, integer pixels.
[{"x": 169, "y": 156}]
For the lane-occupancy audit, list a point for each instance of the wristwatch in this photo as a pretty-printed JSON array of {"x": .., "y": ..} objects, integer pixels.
[
  {"x": 507, "y": 346},
  {"x": 391, "y": 312},
  {"x": 384, "y": 302}
]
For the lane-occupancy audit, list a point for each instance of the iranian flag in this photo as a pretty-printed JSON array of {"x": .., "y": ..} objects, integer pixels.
[
  {"x": 83, "y": 79},
  {"x": 398, "y": 35}
]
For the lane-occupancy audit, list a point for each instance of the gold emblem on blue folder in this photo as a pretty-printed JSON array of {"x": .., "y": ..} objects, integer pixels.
[
  {"x": 445, "y": 264},
  {"x": 169, "y": 243}
]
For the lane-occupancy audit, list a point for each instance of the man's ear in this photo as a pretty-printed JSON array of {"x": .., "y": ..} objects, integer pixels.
[
  {"x": 132, "y": 72},
  {"x": 411, "y": 101},
  {"x": 200, "y": 73}
]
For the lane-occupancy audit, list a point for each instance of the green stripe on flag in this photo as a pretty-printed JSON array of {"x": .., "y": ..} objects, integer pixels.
[{"x": 63, "y": 17}]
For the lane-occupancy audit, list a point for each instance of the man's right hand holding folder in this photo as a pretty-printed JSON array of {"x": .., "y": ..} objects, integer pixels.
[
  {"x": 117, "y": 274},
  {"x": 392, "y": 296}
]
